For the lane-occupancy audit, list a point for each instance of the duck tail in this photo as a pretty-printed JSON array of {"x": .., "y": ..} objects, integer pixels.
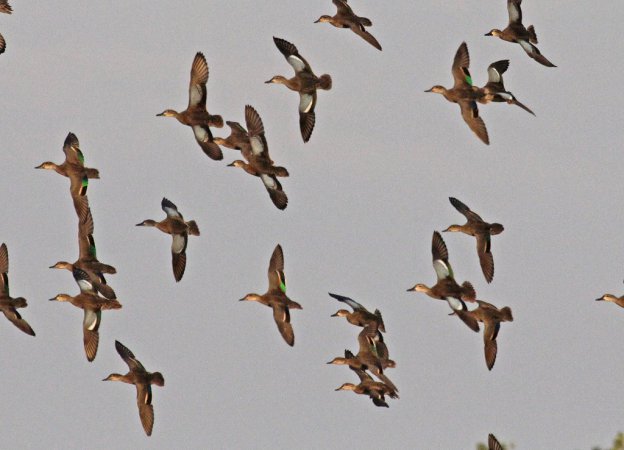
[
  {"x": 215, "y": 121},
  {"x": 19, "y": 302},
  {"x": 532, "y": 35},
  {"x": 497, "y": 228},
  {"x": 92, "y": 173},
  {"x": 112, "y": 304},
  {"x": 469, "y": 293},
  {"x": 506, "y": 312},
  {"x": 193, "y": 229},
  {"x": 280, "y": 171},
  {"x": 325, "y": 82}
]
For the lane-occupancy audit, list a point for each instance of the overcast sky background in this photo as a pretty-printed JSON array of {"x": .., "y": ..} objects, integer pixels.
[{"x": 365, "y": 195}]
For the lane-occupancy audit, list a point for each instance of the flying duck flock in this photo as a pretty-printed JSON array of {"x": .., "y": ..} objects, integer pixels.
[{"x": 369, "y": 361}]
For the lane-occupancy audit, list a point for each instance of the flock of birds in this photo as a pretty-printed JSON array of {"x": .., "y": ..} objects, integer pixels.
[{"x": 372, "y": 358}]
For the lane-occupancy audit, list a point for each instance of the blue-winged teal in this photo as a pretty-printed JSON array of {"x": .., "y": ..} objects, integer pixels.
[
  {"x": 477, "y": 227},
  {"x": 259, "y": 163},
  {"x": 92, "y": 304},
  {"x": 8, "y": 304},
  {"x": 174, "y": 225},
  {"x": 304, "y": 82},
  {"x": 73, "y": 168},
  {"x": 143, "y": 381},
  {"x": 87, "y": 260},
  {"x": 446, "y": 288},
  {"x": 613, "y": 299},
  {"x": 516, "y": 32},
  {"x": 276, "y": 298},
  {"x": 493, "y": 443},
  {"x": 376, "y": 390},
  {"x": 464, "y": 93},
  {"x": 195, "y": 115},
  {"x": 494, "y": 90},
  {"x": 491, "y": 317},
  {"x": 346, "y": 18},
  {"x": 360, "y": 316}
]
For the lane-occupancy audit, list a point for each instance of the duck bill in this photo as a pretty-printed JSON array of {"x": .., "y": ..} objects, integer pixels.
[
  {"x": 600, "y": 299},
  {"x": 488, "y": 34},
  {"x": 412, "y": 289},
  {"x": 429, "y": 90}
]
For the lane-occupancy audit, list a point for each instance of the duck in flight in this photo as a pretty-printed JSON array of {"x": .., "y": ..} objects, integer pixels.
[
  {"x": 304, "y": 82},
  {"x": 346, "y": 18},
  {"x": 464, "y": 93},
  {"x": 516, "y": 32}
]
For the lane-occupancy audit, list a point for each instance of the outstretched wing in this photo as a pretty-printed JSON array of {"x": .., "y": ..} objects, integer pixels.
[
  {"x": 197, "y": 85},
  {"x": 290, "y": 52},
  {"x": 515, "y": 12},
  {"x": 281, "y": 315},
  {"x": 352, "y": 303},
  {"x": 146, "y": 409},
  {"x": 470, "y": 114},
  {"x": 460, "y": 71},
  {"x": 467, "y": 212},
  {"x": 277, "y": 279}
]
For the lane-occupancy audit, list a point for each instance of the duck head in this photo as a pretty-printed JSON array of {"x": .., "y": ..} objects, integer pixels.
[
  {"x": 250, "y": 298},
  {"x": 437, "y": 89},
  {"x": 167, "y": 113},
  {"x": 147, "y": 223},
  {"x": 346, "y": 387},
  {"x": 61, "y": 298},
  {"x": 323, "y": 19},
  {"x": 62, "y": 265},
  {"x": 277, "y": 79},
  {"x": 419, "y": 288},
  {"x": 452, "y": 228},
  {"x": 494, "y": 32},
  {"x": 341, "y": 313}
]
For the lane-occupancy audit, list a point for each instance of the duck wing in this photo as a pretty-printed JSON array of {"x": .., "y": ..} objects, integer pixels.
[
  {"x": 468, "y": 319},
  {"x": 349, "y": 301},
  {"x": 307, "y": 118},
  {"x": 359, "y": 29},
  {"x": 204, "y": 138},
  {"x": 493, "y": 443},
  {"x": 495, "y": 75},
  {"x": 146, "y": 409},
  {"x": 2, "y": 44},
  {"x": 71, "y": 148},
  {"x": 255, "y": 127},
  {"x": 128, "y": 357},
  {"x": 277, "y": 279},
  {"x": 5, "y": 7},
  {"x": 460, "y": 71},
  {"x": 197, "y": 85},
  {"x": 78, "y": 184},
  {"x": 281, "y": 315},
  {"x": 16, "y": 319},
  {"x": 439, "y": 251},
  {"x": 4, "y": 270},
  {"x": 343, "y": 8},
  {"x": 274, "y": 188},
  {"x": 91, "y": 336},
  {"x": 465, "y": 210},
  {"x": 515, "y": 12},
  {"x": 290, "y": 52},
  {"x": 534, "y": 53},
  {"x": 470, "y": 114},
  {"x": 489, "y": 342},
  {"x": 486, "y": 259},
  {"x": 178, "y": 255}
]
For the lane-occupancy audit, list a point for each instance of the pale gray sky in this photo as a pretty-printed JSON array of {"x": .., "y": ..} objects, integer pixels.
[{"x": 365, "y": 195}]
